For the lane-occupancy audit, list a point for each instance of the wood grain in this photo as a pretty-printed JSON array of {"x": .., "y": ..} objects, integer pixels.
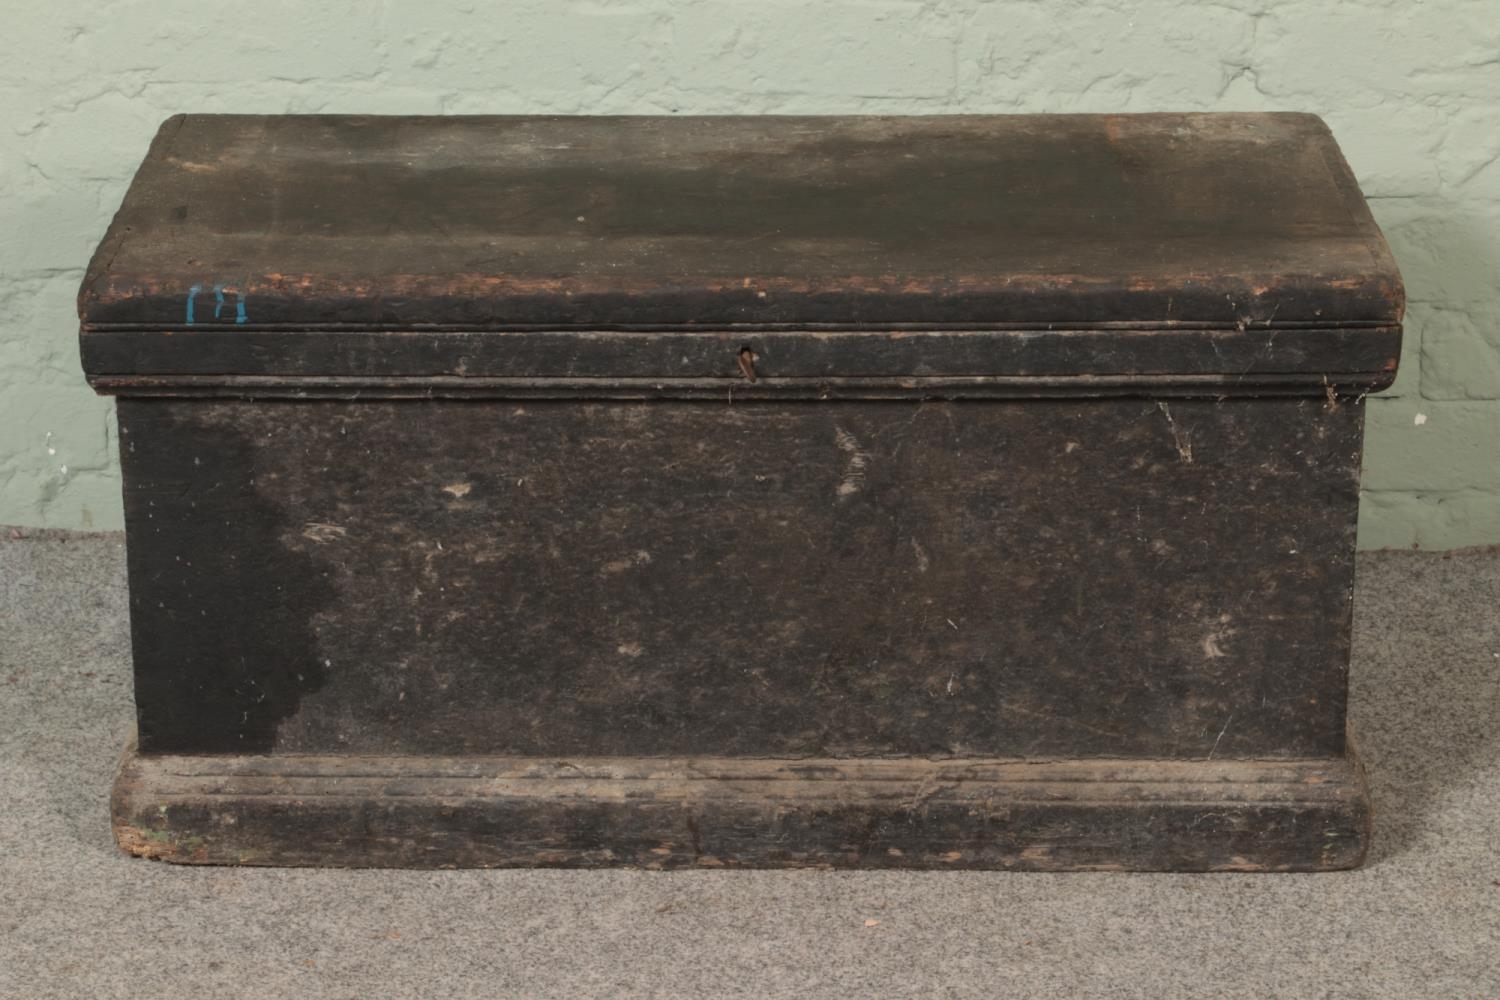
[
  {"x": 1114, "y": 577},
  {"x": 1229, "y": 219},
  {"x": 425, "y": 812}
]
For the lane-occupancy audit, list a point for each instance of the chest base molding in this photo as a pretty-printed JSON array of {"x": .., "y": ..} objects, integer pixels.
[{"x": 739, "y": 812}]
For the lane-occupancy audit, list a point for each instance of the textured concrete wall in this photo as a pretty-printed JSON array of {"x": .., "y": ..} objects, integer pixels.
[{"x": 1411, "y": 88}]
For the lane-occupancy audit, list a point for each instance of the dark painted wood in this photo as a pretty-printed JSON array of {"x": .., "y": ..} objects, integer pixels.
[
  {"x": 738, "y": 390},
  {"x": 715, "y": 812},
  {"x": 1362, "y": 358},
  {"x": 1229, "y": 219},
  {"x": 1052, "y": 577},
  {"x": 871, "y": 492}
]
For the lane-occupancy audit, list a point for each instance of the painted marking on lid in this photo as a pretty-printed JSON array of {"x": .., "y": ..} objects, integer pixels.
[{"x": 240, "y": 315}]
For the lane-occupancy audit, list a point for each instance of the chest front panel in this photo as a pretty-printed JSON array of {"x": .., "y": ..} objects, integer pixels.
[{"x": 1077, "y": 577}]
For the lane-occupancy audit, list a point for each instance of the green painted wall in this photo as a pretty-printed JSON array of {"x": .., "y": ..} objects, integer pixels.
[{"x": 1411, "y": 89}]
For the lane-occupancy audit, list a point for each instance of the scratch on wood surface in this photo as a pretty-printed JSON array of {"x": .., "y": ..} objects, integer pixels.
[
  {"x": 639, "y": 558},
  {"x": 315, "y": 531},
  {"x": 854, "y": 470},
  {"x": 1215, "y": 748},
  {"x": 1180, "y": 437}
]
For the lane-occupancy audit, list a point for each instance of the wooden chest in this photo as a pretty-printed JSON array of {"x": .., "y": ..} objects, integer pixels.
[{"x": 952, "y": 492}]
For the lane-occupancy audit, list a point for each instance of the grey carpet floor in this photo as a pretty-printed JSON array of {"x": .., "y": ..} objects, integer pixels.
[{"x": 77, "y": 919}]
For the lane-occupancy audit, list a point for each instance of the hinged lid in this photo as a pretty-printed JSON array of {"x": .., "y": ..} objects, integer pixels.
[{"x": 268, "y": 251}]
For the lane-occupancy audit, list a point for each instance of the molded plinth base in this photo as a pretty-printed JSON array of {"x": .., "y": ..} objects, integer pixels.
[{"x": 439, "y": 812}]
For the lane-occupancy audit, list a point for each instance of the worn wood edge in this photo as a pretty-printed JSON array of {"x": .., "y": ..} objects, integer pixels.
[
  {"x": 87, "y": 328},
  {"x": 119, "y": 229},
  {"x": 780, "y": 358},
  {"x": 486, "y": 300},
  {"x": 1382, "y": 260},
  {"x": 950, "y": 814},
  {"x": 734, "y": 389}
]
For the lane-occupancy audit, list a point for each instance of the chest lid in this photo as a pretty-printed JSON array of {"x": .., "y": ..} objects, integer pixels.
[{"x": 672, "y": 249}]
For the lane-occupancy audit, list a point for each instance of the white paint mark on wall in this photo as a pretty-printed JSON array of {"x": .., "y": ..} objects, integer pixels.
[{"x": 1419, "y": 419}]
